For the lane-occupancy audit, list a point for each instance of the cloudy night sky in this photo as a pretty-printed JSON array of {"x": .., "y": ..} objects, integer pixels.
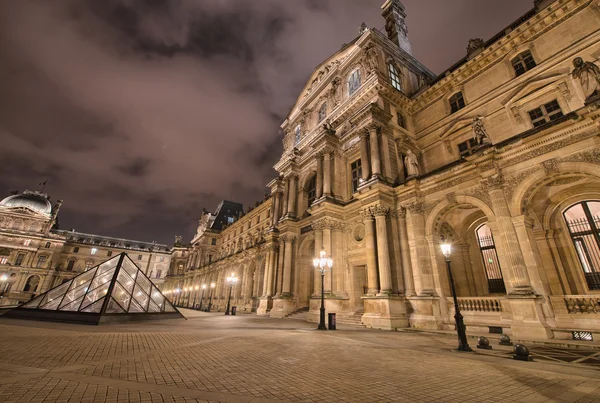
[{"x": 139, "y": 113}]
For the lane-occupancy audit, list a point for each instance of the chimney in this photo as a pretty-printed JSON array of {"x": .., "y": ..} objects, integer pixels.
[{"x": 395, "y": 26}]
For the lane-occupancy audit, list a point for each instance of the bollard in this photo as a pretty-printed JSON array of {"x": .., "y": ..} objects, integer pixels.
[
  {"x": 331, "y": 317},
  {"x": 233, "y": 310},
  {"x": 521, "y": 353},
  {"x": 505, "y": 340},
  {"x": 484, "y": 343}
]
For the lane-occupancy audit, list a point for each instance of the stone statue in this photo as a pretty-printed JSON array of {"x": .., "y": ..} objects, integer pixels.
[
  {"x": 479, "y": 133},
  {"x": 370, "y": 56},
  {"x": 363, "y": 28},
  {"x": 328, "y": 127},
  {"x": 475, "y": 46},
  {"x": 588, "y": 75},
  {"x": 288, "y": 141},
  {"x": 411, "y": 163},
  {"x": 335, "y": 91}
]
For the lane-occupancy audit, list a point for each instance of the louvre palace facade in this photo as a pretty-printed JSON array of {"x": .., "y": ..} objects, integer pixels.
[
  {"x": 383, "y": 161},
  {"x": 35, "y": 256}
]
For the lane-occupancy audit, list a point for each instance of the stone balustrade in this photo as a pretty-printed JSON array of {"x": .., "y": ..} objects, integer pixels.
[
  {"x": 478, "y": 304},
  {"x": 581, "y": 304}
]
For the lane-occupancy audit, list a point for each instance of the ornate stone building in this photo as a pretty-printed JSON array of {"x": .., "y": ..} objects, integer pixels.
[
  {"x": 34, "y": 256},
  {"x": 383, "y": 160}
]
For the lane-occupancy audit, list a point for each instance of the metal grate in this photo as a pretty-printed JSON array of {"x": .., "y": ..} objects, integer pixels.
[
  {"x": 495, "y": 329},
  {"x": 583, "y": 336}
]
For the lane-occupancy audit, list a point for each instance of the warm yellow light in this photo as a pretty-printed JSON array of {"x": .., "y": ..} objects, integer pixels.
[
  {"x": 203, "y": 286},
  {"x": 446, "y": 249}
]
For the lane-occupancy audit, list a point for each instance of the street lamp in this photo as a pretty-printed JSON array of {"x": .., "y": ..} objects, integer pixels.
[
  {"x": 195, "y": 295},
  {"x": 463, "y": 344},
  {"x": 231, "y": 281},
  {"x": 202, "y": 296},
  {"x": 212, "y": 287},
  {"x": 320, "y": 263}
]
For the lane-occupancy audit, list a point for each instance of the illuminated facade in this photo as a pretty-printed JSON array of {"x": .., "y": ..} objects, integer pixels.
[{"x": 383, "y": 161}]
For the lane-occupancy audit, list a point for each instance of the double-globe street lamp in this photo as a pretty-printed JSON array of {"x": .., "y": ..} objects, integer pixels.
[
  {"x": 231, "y": 281},
  {"x": 212, "y": 287},
  {"x": 202, "y": 296},
  {"x": 321, "y": 263},
  {"x": 463, "y": 345}
]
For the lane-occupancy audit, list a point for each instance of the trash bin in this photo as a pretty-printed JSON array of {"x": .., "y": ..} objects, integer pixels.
[
  {"x": 331, "y": 321},
  {"x": 233, "y": 310}
]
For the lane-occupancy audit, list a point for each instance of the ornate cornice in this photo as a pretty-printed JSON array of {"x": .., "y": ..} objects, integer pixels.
[
  {"x": 327, "y": 223},
  {"x": 491, "y": 183}
]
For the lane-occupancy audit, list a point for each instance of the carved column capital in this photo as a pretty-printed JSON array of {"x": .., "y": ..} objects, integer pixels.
[
  {"x": 373, "y": 127},
  {"x": 401, "y": 212},
  {"x": 379, "y": 211},
  {"x": 493, "y": 183},
  {"x": 288, "y": 238},
  {"x": 416, "y": 208},
  {"x": 364, "y": 133},
  {"x": 366, "y": 214}
]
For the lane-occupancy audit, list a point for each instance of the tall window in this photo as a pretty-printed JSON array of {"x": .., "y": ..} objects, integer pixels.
[
  {"x": 76, "y": 249},
  {"x": 70, "y": 264},
  {"x": 394, "y": 77},
  {"x": 490, "y": 260},
  {"x": 356, "y": 170},
  {"x": 158, "y": 273},
  {"x": 354, "y": 82},
  {"x": 323, "y": 112},
  {"x": 466, "y": 148},
  {"x": 41, "y": 261},
  {"x": 545, "y": 113},
  {"x": 48, "y": 244},
  {"x": 140, "y": 257},
  {"x": 3, "y": 259},
  {"x": 213, "y": 241},
  {"x": 523, "y": 63},
  {"x": 457, "y": 102},
  {"x": 312, "y": 190},
  {"x": 583, "y": 220},
  {"x": 109, "y": 253},
  {"x": 27, "y": 242},
  {"x": 297, "y": 134},
  {"x": 88, "y": 265},
  {"x": 401, "y": 120},
  {"x": 94, "y": 250},
  {"x": 19, "y": 260}
]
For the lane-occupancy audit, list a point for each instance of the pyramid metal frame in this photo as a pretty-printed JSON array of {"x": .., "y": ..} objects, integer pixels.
[{"x": 116, "y": 290}]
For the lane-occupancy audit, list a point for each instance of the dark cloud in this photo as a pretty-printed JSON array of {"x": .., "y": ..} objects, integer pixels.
[{"x": 141, "y": 112}]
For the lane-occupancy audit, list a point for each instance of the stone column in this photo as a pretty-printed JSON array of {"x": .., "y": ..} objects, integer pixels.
[
  {"x": 327, "y": 246},
  {"x": 276, "y": 208},
  {"x": 510, "y": 254},
  {"x": 319, "y": 190},
  {"x": 364, "y": 155},
  {"x": 287, "y": 265},
  {"x": 383, "y": 250},
  {"x": 268, "y": 254},
  {"x": 278, "y": 277},
  {"x": 292, "y": 196},
  {"x": 316, "y": 273},
  {"x": 409, "y": 282},
  {"x": 375, "y": 159},
  {"x": 327, "y": 173},
  {"x": 421, "y": 247},
  {"x": 372, "y": 281},
  {"x": 272, "y": 266},
  {"x": 285, "y": 196}
]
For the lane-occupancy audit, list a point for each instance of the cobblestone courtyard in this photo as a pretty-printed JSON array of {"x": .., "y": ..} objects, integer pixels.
[{"x": 215, "y": 358}]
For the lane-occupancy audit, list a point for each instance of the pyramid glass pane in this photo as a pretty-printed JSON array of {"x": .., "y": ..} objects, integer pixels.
[
  {"x": 129, "y": 267},
  {"x": 152, "y": 307},
  {"x": 75, "y": 294},
  {"x": 157, "y": 297},
  {"x": 102, "y": 278},
  {"x": 134, "y": 307},
  {"x": 54, "y": 296},
  {"x": 96, "y": 307},
  {"x": 141, "y": 297},
  {"x": 125, "y": 281},
  {"x": 34, "y": 303},
  {"x": 114, "y": 307},
  {"x": 52, "y": 304},
  {"x": 143, "y": 282},
  {"x": 72, "y": 306},
  {"x": 169, "y": 307},
  {"x": 108, "y": 265},
  {"x": 95, "y": 294},
  {"x": 82, "y": 279},
  {"x": 121, "y": 295}
]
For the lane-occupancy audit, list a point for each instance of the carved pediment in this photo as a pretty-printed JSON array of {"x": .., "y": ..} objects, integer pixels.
[
  {"x": 455, "y": 126},
  {"x": 531, "y": 89}
]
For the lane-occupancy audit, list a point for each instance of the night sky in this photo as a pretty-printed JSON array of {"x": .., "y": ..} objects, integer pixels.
[{"x": 140, "y": 113}]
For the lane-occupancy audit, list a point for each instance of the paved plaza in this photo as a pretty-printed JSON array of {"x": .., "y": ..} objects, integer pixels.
[{"x": 245, "y": 358}]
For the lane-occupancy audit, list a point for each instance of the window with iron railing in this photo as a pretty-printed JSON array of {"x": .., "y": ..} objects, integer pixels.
[
  {"x": 493, "y": 272},
  {"x": 583, "y": 221}
]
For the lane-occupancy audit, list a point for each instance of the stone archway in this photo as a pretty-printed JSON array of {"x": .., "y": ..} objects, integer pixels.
[
  {"x": 32, "y": 283},
  {"x": 304, "y": 276}
]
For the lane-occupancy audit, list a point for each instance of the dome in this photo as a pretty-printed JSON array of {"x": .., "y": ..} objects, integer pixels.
[{"x": 35, "y": 201}]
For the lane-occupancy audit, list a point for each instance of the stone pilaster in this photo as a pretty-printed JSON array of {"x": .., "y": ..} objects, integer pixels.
[
  {"x": 319, "y": 190},
  {"x": 288, "y": 242},
  {"x": 372, "y": 282},
  {"x": 285, "y": 197},
  {"x": 423, "y": 259},
  {"x": 292, "y": 197},
  {"x": 364, "y": 155},
  {"x": 409, "y": 282},
  {"x": 375, "y": 153},
  {"x": 316, "y": 273},
  {"x": 327, "y": 173},
  {"x": 383, "y": 253}
]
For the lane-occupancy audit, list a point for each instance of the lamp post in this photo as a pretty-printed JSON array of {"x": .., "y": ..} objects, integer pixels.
[
  {"x": 212, "y": 287},
  {"x": 231, "y": 281},
  {"x": 195, "y": 295},
  {"x": 463, "y": 344},
  {"x": 321, "y": 263},
  {"x": 202, "y": 296}
]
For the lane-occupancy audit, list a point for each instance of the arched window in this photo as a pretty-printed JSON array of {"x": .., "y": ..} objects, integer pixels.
[
  {"x": 353, "y": 82},
  {"x": 583, "y": 220},
  {"x": 457, "y": 102},
  {"x": 32, "y": 284},
  {"x": 523, "y": 63},
  {"x": 323, "y": 112},
  {"x": 394, "y": 77},
  {"x": 70, "y": 264},
  {"x": 311, "y": 190},
  {"x": 490, "y": 260}
]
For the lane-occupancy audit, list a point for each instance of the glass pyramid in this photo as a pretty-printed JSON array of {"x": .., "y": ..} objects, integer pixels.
[{"x": 115, "y": 290}]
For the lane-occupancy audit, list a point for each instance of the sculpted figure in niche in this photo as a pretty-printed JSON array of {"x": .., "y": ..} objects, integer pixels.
[
  {"x": 588, "y": 75},
  {"x": 411, "y": 163},
  {"x": 363, "y": 28},
  {"x": 328, "y": 127},
  {"x": 371, "y": 58},
  {"x": 335, "y": 91},
  {"x": 479, "y": 133}
]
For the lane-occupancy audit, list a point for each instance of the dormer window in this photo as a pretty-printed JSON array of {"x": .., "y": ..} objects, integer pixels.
[
  {"x": 297, "y": 134},
  {"x": 394, "y": 77},
  {"x": 354, "y": 82},
  {"x": 523, "y": 63},
  {"x": 323, "y": 112},
  {"x": 457, "y": 102}
]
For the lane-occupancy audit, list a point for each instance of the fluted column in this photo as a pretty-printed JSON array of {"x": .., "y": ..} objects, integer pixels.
[
  {"x": 375, "y": 158},
  {"x": 327, "y": 173},
  {"x": 510, "y": 255},
  {"x": 285, "y": 196},
  {"x": 364, "y": 155},
  {"x": 383, "y": 250},
  {"x": 417, "y": 221},
  {"x": 292, "y": 196},
  {"x": 272, "y": 266},
  {"x": 288, "y": 242},
  {"x": 316, "y": 273},
  {"x": 372, "y": 281},
  {"x": 327, "y": 246},
  {"x": 319, "y": 190},
  {"x": 267, "y": 270},
  {"x": 276, "y": 201},
  {"x": 409, "y": 282}
]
